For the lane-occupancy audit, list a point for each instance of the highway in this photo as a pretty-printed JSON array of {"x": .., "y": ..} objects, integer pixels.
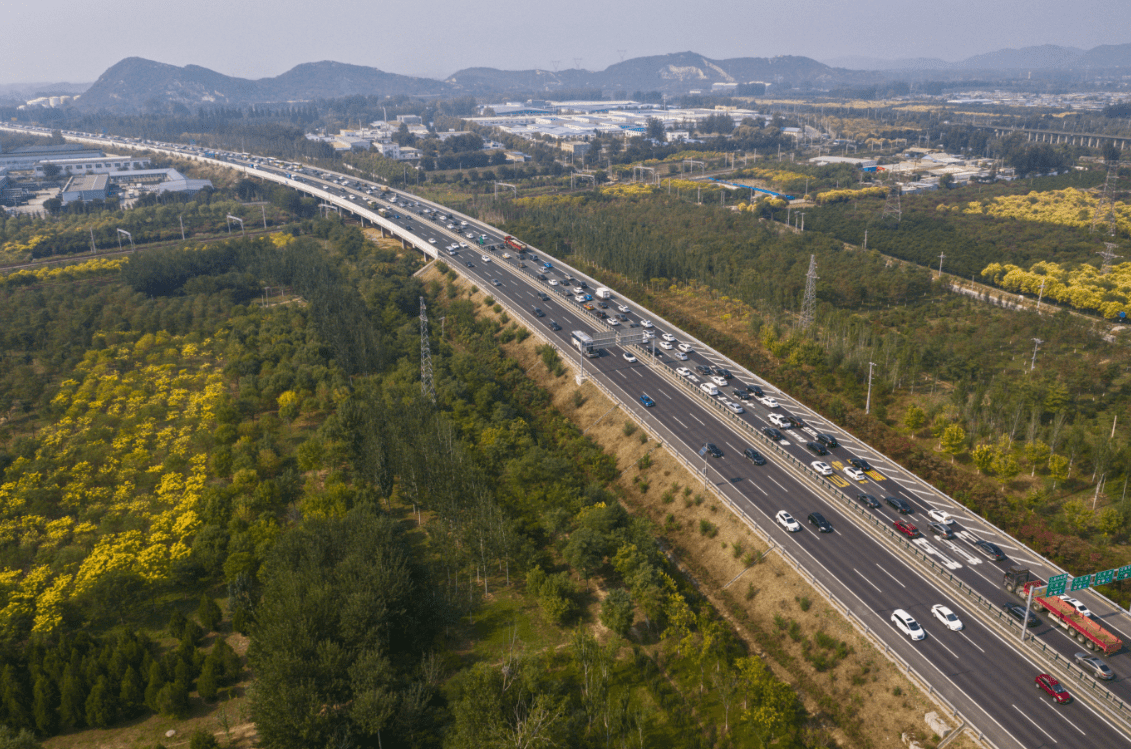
[{"x": 983, "y": 670}]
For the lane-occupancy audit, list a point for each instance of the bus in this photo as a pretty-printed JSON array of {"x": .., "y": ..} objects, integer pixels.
[{"x": 584, "y": 343}]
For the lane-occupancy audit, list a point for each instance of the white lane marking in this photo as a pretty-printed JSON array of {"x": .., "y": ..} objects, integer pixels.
[
  {"x": 919, "y": 492},
  {"x": 890, "y": 575},
  {"x": 970, "y": 641},
  {"x": 665, "y": 395},
  {"x": 620, "y": 373},
  {"x": 969, "y": 559},
  {"x": 696, "y": 418},
  {"x": 1026, "y": 717},
  {"x": 858, "y": 572},
  {"x": 771, "y": 478},
  {"x": 759, "y": 488},
  {"x": 680, "y": 422},
  {"x": 928, "y": 547},
  {"x": 732, "y": 447},
  {"x": 944, "y": 647},
  {"x": 1061, "y": 715},
  {"x": 637, "y": 371}
]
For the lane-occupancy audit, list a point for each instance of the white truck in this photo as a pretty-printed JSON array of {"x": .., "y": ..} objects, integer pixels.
[{"x": 603, "y": 293}]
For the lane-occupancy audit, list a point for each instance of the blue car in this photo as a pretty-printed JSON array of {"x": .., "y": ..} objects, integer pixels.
[
  {"x": 647, "y": 401},
  {"x": 547, "y": 266}
]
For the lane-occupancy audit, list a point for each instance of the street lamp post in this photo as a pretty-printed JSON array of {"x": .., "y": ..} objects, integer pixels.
[{"x": 868, "y": 402}]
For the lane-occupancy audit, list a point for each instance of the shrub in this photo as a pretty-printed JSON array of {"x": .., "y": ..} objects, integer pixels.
[
  {"x": 737, "y": 548},
  {"x": 644, "y": 463},
  {"x": 629, "y": 428},
  {"x": 578, "y": 398},
  {"x": 804, "y": 602},
  {"x": 521, "y": 334},
  {"x": 616, "y": 611}
]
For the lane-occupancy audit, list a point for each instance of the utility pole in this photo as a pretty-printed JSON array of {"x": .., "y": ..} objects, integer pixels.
[
  {"x": 264, "y": 212},
  {"x": 942, "y": 256},
  {"x": 809, "y": 304},
  {"x": 182, "y": 218},
  {"x": 93, "y": 246},
  {"x": 1036, "y": 344},
  {"x": 868, "y": 402},
  {"x": 1041, "y": 295}
]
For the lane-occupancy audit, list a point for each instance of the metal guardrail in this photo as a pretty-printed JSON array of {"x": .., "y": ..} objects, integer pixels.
[{"x": 853, "y": 618}]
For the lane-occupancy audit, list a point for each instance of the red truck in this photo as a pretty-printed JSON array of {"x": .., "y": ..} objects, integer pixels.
[
  {"x": 514, "y": 244},
  {"x": 1084, "y": 630}
]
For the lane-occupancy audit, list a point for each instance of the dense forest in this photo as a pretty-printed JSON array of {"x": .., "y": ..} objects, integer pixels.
[
  {"x": 1053, "y": 422},
  {"x": 181, "y": 462}
]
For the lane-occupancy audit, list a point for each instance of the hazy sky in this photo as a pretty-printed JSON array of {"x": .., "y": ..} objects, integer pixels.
[{"x": 76, "y": 40}]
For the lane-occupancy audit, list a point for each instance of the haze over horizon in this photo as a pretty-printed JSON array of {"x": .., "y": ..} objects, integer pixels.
[{"x": 435, "y": 38}]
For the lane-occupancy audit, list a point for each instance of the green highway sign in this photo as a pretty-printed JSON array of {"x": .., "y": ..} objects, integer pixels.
[
  {"x": 1123, "y": 572},
  {"x": 1105, "y": 577},
  {"x": 1056, "y": 585},
  {"x": 1082, "y": 582}
]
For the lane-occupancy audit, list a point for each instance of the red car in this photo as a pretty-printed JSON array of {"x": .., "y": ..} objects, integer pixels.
[
  {"x": 1053, "y": 688},
  {"x": 906, "y": 528}
]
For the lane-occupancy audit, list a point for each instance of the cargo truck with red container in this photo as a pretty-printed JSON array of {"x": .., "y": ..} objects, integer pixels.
[
  {"x": 514, "y": 244},
  {"x": 1086, "y": 631}
]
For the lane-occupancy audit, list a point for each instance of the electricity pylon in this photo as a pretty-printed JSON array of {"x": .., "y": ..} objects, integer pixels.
[
  {"x": 426, "y": 384},
  {"x": 809, "y": 304}
]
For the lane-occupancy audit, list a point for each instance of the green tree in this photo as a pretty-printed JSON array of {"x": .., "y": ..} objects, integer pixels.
[
  {"x": 983, "y": 457},
  {"x": 1078, "y": 515},
  {"x": 14, "y": 696},
  {"x": 915, "y": 418},
  {"x": 155, "y": 682},
  {"x": 953, "y": 440},
  {"x": 585, "y": 551},
  {"x": 208, "y": 612},
  {"x": 655, "y": 128},
  {"x": 617, "y": 611},
  {"x": 45, "y": 705},
  {"x": 209, "y": 682},
  {"x": 25, "y": 739},
  {"x": 1110, "y": 522},
  {"x": 72, "y": 703},
  {"x": 173, "y": 699},
  {"x": 202, "y": 739},
  {"x": 131, "y": 693},
  {"x": 1005, "y": 466},
  {"x": 1058, "y": 469},
  {"x": 1037, "y": 453},
  {"x": 102, "y": 704}
]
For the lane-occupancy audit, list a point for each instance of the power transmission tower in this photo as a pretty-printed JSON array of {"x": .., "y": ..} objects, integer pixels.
[
  {"x": 621, "y": 53},
  {"x": 426, "y": 385},
  {"x": 577, "y": 63},
  {"x": 809, "y": 304},
  {"x": 1108, "y": 255},
  {"x": 1107, "y": 200},
  {"x": 891, "y": 206},
  {"x": 555, "y": 63},
  {"x": 1036, "y": 345}
]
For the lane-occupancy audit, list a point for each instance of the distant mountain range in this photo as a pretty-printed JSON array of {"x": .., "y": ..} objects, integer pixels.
[
  {"x": 136, "y": 84},
  {"x": 1045, "y": 57}
]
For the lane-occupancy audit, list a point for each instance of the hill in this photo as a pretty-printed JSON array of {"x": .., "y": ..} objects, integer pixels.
[{"x": 136, "y": 84}]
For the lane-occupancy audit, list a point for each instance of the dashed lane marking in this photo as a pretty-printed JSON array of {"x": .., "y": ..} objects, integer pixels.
[
  {"x": 971, "y": 641},
  {"x": 858, "y": 572},
  {"x": 881, "y": 569}
]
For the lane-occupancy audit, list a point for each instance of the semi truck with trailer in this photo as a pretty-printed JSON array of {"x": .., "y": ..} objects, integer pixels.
[{"x": 1088, "y": 632}]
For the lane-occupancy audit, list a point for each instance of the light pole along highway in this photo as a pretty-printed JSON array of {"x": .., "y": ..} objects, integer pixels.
[{"x": 865, "y": 568}]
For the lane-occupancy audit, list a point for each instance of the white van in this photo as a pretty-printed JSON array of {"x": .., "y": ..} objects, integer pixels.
[{"x": 709, "y": 388}]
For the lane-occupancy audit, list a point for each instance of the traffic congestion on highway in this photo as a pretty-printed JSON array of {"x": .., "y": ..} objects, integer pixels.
[{"x": 762, "y": 450}]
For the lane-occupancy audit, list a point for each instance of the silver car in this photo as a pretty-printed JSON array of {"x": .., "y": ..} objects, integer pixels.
[{"x": 1094, "y": 666}]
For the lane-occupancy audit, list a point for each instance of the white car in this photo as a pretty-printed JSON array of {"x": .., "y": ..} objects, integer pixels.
[
  {"x": 719, "y": 380},
  {"x": 854, "y": 473},
  {"x": 683, "y": 371},
  {"x": 1080, "y": 607},
  {"x": 648, "y": 335},
  {"x": 785, "y": 520},
  {"x": 822, "y": 467},
  {"x": 553, "y": 282},
  {"x": 906, "y": 624},
  {"x": 579, "y": 298},
  {"x": 463, "y": 244},
  {"x": 666, "y": 345},
  {"x": 629, "y": 357},
  {"x": 940, "y": 517},
  {"x": 613, "y": 321},
  {"x": 645, "y": 323},
  {"x": 469, "y": 235},
  {"x": 685, "y": 348},
  {"x": 680, "y": 355},
  {"x": 735, "y": 407},
  {"x": 693, "y": 379},
  {"x": 768, "y": 402},
  {"x": 623, "y": 308},
  {"x": 668, "y": 337},
  {"x": 431, "y": 240},
  {"x": 485, "y": 258},
  {"x": 779, "y": 421},
  {"x": 947, "y": 617}
]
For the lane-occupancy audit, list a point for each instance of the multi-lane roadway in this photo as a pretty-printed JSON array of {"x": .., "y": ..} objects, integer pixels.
[{"x": 981, "y": 669}]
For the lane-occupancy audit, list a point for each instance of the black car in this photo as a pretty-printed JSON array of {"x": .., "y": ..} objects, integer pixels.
[
  {"x": 868, "y": 500},
  {"x": 794, "y": 422},
  {"x": 816, "y": 448},
  {"x": 756, "y": 390},
  {"x": 538, "y": 312},
  {"x": 1018, "y": 612},
  {"x": 989, "y": 551},
  {"x": 714, "y": 451},
  {"x": 543, "y": 296},
  {"x": 703, "y": 370},
  {"x": 900, "y": 505},
  {"x": 742, "y": 395},
  {"x": 495, "y": 282},
  {"x": 541, "y": 277},
  {"x": 941, "y": 530},
  {"x": 827, "y": 440},
  {"x": 603, "y": 305},
  {"x": 583, "y": 285},
  {"x": 717, "y": 371},
  {"x": 772, "y": 433},
  {"x": 817, "y": 519},
  {"x": 554, "y": 326},
  {"x": 860, "y": 463},
  {"x": 754, "y": 456},
  {"x": 470, "y": 264},
  {"x": 725, "y": 373}
]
